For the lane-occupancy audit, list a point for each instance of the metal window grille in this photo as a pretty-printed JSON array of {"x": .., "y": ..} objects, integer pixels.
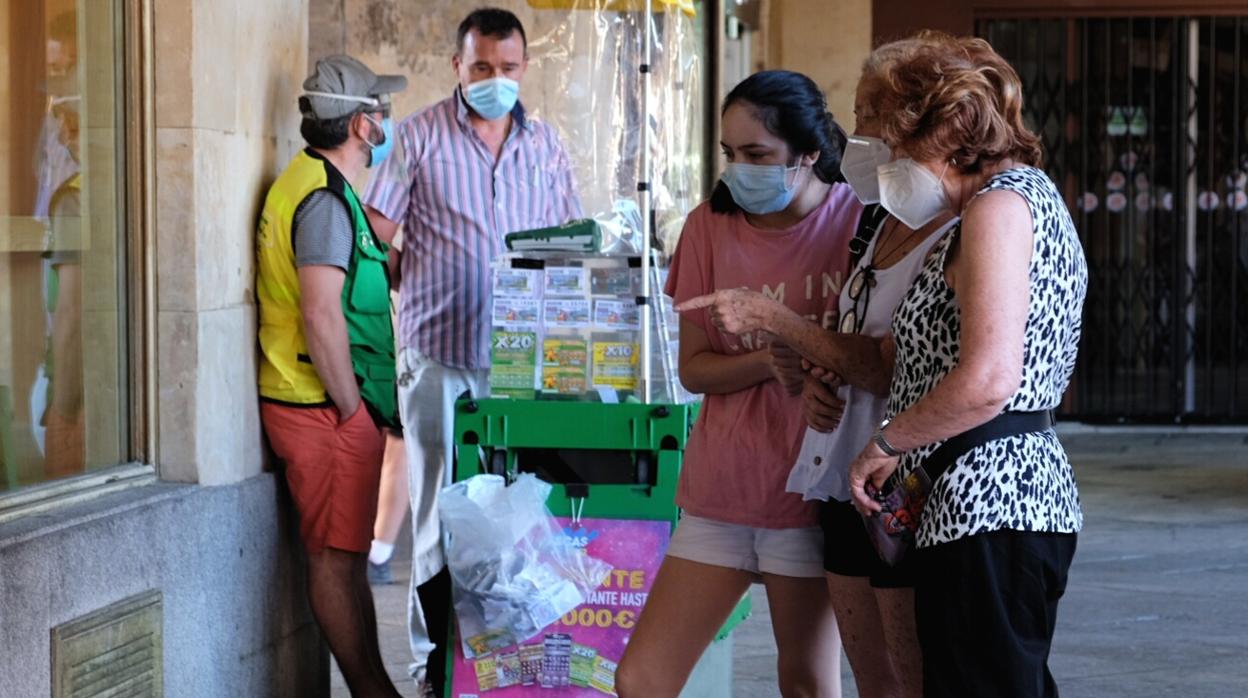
[{"x": 1145, "y": 128}]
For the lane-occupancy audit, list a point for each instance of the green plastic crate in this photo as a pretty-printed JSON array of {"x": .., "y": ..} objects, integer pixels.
[{"x": 492, "y": 435}]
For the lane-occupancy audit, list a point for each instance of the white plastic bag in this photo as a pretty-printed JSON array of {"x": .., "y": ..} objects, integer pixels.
[
  {"x": 622, "y": 228},
  {"x": 513, "y": 571}
]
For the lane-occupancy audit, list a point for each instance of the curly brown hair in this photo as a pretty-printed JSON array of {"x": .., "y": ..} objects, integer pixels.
[{"x": 940, "y": 97}]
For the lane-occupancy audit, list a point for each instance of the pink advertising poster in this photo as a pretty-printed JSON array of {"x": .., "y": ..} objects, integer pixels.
[{"x": 577, "y": 655}]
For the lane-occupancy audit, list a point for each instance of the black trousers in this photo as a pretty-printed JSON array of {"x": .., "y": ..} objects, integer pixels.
[
  {"x": 435, "y": 600},
  {"x": 985, "y": 608}
]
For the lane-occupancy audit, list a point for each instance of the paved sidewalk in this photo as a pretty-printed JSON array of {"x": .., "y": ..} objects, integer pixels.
[{"x": 1157, "y": 603}]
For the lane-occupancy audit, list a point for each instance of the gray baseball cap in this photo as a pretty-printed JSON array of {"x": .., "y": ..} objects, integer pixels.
[{"x": 339, "y": 85}]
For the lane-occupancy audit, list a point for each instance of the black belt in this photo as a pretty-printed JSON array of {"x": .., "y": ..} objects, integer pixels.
[{"x": 999, "y": 427}]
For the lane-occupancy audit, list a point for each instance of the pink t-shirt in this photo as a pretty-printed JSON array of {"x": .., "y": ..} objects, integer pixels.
[{"x": 744, "y": 443}]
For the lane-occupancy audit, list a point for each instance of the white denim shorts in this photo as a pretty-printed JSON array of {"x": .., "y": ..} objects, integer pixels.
[{"x": 787, "y": 552}]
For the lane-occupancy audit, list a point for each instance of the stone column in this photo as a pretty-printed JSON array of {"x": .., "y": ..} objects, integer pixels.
[
  {"x": 827, "y": 41},
  {"x": 228, "y": 73}
]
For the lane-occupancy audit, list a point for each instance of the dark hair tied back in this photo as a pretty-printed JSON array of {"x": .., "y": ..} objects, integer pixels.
[{"x": 793, "y": 109}]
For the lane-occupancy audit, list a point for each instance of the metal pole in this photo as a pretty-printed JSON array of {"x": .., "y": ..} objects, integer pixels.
[
  {"x": 1189, "y": 248},
  {"x": 715, "y": 66},
  {"x": 645, "y": 197}
]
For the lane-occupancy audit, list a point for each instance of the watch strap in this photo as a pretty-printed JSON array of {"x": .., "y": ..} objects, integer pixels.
[{"x": 883, "y": 443}]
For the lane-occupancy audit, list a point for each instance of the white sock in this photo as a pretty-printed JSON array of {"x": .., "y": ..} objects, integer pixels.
[{"x": 380, "y": 552}]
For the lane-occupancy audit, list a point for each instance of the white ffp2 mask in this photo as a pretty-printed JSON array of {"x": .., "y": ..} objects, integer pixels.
[
  {"x": 860, "y": 162},
  {"x": 911, "y": 193}
]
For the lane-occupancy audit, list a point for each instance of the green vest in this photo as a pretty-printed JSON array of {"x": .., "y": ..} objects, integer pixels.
[{"x": 286, "y": 372}]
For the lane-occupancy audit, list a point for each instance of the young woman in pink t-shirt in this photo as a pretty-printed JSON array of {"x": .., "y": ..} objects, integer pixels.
[{"x": 778, "y": 224}]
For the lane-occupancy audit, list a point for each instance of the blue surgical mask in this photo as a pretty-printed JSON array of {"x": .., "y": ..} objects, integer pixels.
[
  {"x": 381, "y": 151},
  {"x": 760, "y": 189},
  {"x": 493, "y": 98}
]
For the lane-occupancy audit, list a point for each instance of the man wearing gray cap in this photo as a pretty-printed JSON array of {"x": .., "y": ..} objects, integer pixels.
[{"x": 327, "y": 363}]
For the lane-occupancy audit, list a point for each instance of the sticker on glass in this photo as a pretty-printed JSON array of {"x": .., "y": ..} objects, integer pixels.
[
  {"x": 516, "y": 311},
  {"x": 616, "y": 315},
  {"x": 565, "y": 313},
  {"x": 565, "y": 281},
  {"x": 521, "y": 283},
  {"x": 1088, "y": 202},
  {"x": 1116, "y": 202},
  {"x": 1208, "y": 201}
]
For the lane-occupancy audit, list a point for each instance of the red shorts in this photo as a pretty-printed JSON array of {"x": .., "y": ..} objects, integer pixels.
[{"x": 333, "y": 470}]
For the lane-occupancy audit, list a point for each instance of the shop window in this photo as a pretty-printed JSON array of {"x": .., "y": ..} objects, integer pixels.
[{"x": 64, "y": 397}]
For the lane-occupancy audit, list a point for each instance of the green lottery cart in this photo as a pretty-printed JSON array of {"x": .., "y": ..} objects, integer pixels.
[
  {"x": 614, "y": 469},
  {"x": 579, "y": 328}
]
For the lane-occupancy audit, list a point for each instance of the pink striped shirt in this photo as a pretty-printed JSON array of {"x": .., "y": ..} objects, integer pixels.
[{"x": 456, "y": 203}]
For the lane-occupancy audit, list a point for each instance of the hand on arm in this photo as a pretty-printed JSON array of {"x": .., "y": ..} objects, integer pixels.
[
  {"x": 703, "y": 370},
  {"x": 325, "y": 329},
  {"x": 786, "y": 366},
  {"x": 988, "y": 274},
  {"x": 828, "y": 378},
  {"x": 857, "y": 359},
  {"x": 822, "y": 407}
]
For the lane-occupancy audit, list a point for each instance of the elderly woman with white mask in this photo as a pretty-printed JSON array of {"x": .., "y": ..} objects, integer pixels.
[{"x": 986, "y": 340}]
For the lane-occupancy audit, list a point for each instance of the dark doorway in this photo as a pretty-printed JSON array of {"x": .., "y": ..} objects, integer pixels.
[{"x": 1145, "y": 122}]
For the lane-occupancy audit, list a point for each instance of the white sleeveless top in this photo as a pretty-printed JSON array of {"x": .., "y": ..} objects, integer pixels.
[{"x": 822, "y": 468}]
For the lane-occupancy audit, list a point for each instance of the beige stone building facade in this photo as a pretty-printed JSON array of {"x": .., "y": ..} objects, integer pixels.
[
  {"x": 140, "y": 522},
  {"x": 153, "y": 128},
  {"x": 137, "y": 139}
]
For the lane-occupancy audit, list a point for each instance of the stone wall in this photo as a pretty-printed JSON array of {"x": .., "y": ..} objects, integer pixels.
[
  {"x": 827, "y": 41},
  {"x": 228, "y": 73},
  {"x": 236, "y": 622},
  {"x": 225, "y": 558}
]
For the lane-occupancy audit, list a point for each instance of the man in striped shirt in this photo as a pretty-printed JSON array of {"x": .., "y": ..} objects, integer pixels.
[{"x": 465, "y": 172}]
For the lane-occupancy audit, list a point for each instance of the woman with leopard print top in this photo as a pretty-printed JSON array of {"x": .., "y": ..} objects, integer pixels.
[{"x": 991, "y": 326}]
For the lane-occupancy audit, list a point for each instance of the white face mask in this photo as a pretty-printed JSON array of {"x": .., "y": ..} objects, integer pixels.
[
  {"x": 860, "y": 162},
  {"x": 911, "y": 193}
]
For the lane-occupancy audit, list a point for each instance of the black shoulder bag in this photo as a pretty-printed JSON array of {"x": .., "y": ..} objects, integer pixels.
[{"x": 892, "y": 530}]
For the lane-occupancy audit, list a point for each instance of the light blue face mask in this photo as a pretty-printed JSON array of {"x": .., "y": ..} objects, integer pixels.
[
  {"x": 381, "y": 151},
  {"x": 760, "y": 189},
  {"x": 493, "y": 98}
]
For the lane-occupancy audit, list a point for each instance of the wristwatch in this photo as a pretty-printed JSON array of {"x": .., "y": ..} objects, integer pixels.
[{"x": 883, "y": 443}]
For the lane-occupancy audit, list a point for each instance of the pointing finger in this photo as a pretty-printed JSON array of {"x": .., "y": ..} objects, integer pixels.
[{"x": 697, "y": 303}]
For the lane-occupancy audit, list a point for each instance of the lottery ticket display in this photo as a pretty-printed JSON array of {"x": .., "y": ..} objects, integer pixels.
[
  {"x": 569, "y": 328},
  {"x": 576, "y": 656}
]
